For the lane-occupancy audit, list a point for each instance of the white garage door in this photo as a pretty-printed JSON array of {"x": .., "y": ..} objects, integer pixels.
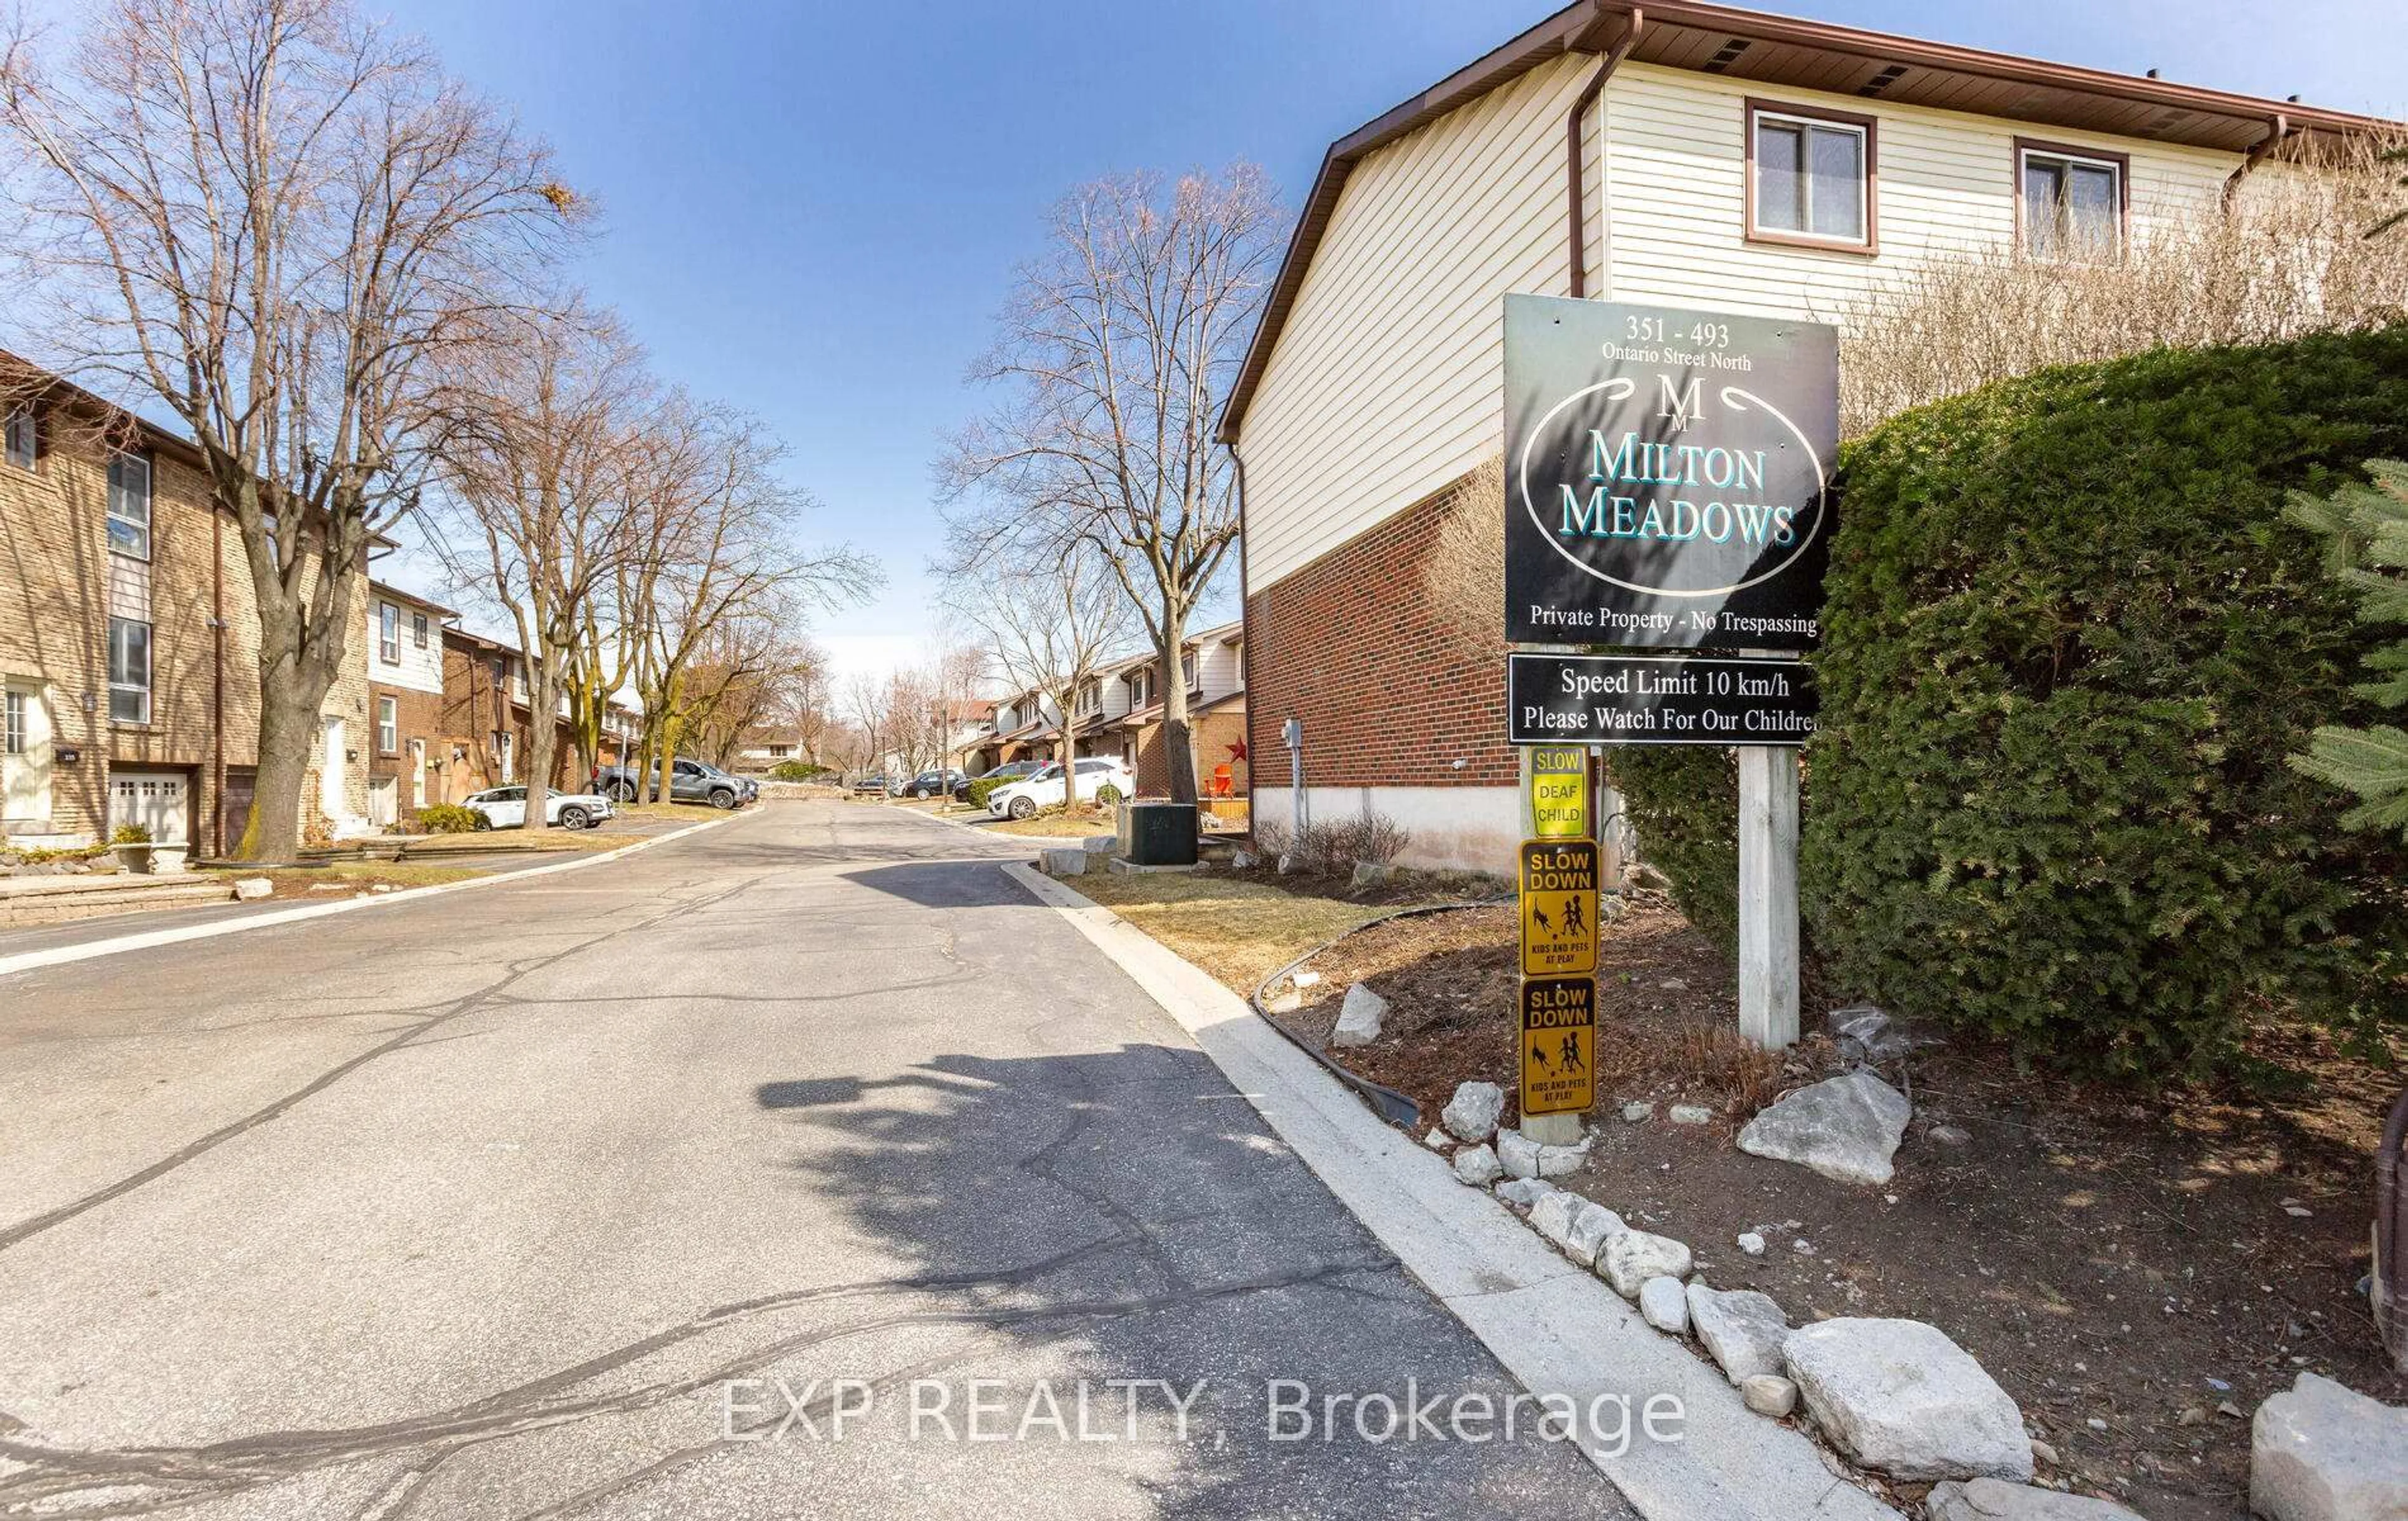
[{"x": 157, "y": 800}]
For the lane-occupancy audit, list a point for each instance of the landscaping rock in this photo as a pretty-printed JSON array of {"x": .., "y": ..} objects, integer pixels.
[
  {"x": 1305, "y": 979},
  {"x": 1866, "y": 1034},
  {"x": 1690, "y": 1115},
  {"x": 1845, "y": 1128},
  {"x": 1059, "y": 862},
  {"x": 1439, "y": 1140},
  {"x": 1472, "y": 1112},
  {"x": 1592, "y": 1224},
  {"x": 1899, "y": 1397},
  {"x": 1476, "y": 1166},
  {"x": 1951, "y": 1135},
  {"x": 1372, "y": 873},
  {"x": 1635, "y": 1113},
  {"x": 1662, "y": 1305},
  {"x": 1523, "y": 1193},
  {"x": 250, "y": 888},
  {"x": 1768, "y": 1394},
  {"x": 2320, "y": 1451},
  {"x": 1988, "y": 1499},
  {"x": 1750, "y": 1243},
  {"x": 1286, "y": 1001},
  {"x": 1552, "y": 1217},
  {"x": 1358, "y": 1017},
  {"x": 1630, "y": 1257},
  {"x": 1243, "y": 860},
  {"x": 1525, "y": 1158},
  {"x": 1741, "y": 1330}
]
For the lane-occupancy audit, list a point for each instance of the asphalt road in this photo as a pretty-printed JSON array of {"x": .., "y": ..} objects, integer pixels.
[{"x": 601, "y": 1193}]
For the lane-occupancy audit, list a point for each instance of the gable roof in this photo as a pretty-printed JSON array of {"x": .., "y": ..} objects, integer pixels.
[{"x": 1807, "y": 55}]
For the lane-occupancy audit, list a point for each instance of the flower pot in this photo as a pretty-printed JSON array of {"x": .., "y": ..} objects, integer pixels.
[
  {"x": 168, "y": 860},
  {"x": 135, "y": 858}
]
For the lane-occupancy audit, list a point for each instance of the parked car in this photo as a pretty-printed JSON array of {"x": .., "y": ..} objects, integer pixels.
[
  {"x": 876, "y": 782},
  {"x": 690, "y": 782},
  {"x": 504, "y": 808},
  {"x": 1021, "y": 799},
  {"x": 1008, "y": 771},
  {"x": 933, "y": 783}
]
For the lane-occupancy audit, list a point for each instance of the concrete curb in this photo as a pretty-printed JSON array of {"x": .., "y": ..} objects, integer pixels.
[
  {"x": 1555, "y": 1326},
  {"x": 147, "y": 940}
]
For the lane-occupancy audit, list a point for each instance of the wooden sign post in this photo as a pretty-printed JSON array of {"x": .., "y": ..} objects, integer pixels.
[{"x": 1768, "y": 895}]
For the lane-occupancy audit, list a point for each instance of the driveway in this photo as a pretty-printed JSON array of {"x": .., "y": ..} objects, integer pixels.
[{"x": 605, "y": 1193}]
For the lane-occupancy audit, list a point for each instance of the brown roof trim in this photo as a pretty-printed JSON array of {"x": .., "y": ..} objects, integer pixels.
[
  {"x": 387, "y": 589},
  {"x": 1583, "y": 27}
]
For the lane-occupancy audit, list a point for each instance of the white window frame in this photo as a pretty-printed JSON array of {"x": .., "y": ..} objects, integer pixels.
[
  {"x": 2067, "y": 159},
  {"x": 418, "y": 626},
  {"x": 388, "y": 731},
  {"x": 136, "y": 530},
  {"x": 23, "y": 428},
  {"x": 139, "y": 690},
  {"x": 389, "y": 633},
  {"x": 1867, "y": 180},
  {"x": 15, "y": 721}
]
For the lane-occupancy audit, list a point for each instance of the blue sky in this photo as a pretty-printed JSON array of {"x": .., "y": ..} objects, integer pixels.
[{"x": 812, "y": 209}]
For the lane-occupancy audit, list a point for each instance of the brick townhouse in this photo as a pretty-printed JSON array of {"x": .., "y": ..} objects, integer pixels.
[
  {"x": 484, "y": 724},
  {"x": 129, "y": 638},
  {"x": 1683, "y": 155},
  {"x": 403, "y": 649},
  {"x": 1212, "y": 662}
]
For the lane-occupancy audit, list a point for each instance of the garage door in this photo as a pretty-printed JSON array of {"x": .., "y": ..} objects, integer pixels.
[{"x": 159, "y": 801}]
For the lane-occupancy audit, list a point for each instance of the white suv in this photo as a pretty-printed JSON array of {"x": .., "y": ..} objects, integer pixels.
[{"x": 1022, "y": 798}]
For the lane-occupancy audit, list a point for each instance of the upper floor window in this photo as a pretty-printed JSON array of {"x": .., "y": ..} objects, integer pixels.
[
  {"x": 2070, "y": 202},
  {"x": 1187, "y": 671},
  {"x": 24, "y": 442},
  {"x": 418, "y": 629},
  {"x": 388, "y": 633},
  {"x": 129, "y": 672},
  {"x": 1811, "y": 177},
  {"x": 129, "y": 505}
]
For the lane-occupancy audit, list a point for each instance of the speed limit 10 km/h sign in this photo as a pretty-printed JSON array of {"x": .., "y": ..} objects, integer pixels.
[{"x": 1559, "y": 907}]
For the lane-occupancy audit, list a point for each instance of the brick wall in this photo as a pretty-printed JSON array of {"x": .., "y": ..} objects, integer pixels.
[
  {"x": 418, "y": 716},
  {"x": 55, "y": 625},
  {"x": 1391, "y": 693}
]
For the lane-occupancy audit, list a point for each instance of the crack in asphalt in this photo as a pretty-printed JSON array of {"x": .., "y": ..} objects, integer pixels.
[
  {"x": 52, "y": 1478},
  {"x": 435, "y": 1016}
]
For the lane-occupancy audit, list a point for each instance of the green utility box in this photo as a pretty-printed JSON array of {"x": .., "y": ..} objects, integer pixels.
[{"x": 1158, "y": 834}]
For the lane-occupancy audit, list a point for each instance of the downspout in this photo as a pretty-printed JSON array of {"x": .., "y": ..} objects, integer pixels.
[
  {"x": 2277, "y": 130},
  {"x": 1245, "y": 635},
  {"x": 1575, "y": 191},
  {"x": 216, "y": 683}
]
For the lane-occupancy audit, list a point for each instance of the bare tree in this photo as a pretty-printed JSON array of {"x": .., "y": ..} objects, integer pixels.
[
  {"x": 267, "y": 215},
  {"x": 2281, "y": 256},
  {"x": 1116, "y": 352},
  {"x": 540, "y": 427},
  {"x": 1053, "y": 623}
]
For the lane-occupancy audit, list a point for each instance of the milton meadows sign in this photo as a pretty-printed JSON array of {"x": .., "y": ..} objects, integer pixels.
[{"x": 1667, "y": 476}]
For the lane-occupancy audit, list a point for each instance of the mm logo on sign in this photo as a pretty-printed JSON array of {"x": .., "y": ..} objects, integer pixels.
[
  {"x": 1559, "y": 904},
  {"x": 1559, "y": 792},
  {"x": 1558, "y": 1044}
]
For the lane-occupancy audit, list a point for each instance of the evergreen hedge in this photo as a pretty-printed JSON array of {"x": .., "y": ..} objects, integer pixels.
[{"x": 2070, "y": 642}]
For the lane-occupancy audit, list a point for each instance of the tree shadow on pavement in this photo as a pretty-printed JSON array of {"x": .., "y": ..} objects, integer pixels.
[{"x": 1121, "y": 1214}]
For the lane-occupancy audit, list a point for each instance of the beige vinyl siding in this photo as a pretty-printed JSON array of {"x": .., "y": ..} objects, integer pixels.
[
  {"x": 1676, "y": 178},
  {"x": 1385, "y": 384},
  {"x": 1386, "y": 379}
]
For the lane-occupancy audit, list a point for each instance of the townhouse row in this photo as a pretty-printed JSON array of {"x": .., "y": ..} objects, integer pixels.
[
  {"x": 1118, "y": 712},
  {"x": 129, "y": 644}
]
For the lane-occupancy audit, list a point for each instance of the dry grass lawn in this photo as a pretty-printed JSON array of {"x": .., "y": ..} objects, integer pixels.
[
  {"x": 1058, "y": 825},
  {"x": 1240, "y": 931}
]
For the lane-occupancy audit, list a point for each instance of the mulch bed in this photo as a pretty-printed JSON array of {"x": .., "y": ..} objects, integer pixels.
[{"x": 2128, "y": 1265}]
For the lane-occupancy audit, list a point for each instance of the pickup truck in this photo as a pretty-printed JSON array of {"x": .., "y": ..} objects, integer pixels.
[{"x": 690, "y": 782}]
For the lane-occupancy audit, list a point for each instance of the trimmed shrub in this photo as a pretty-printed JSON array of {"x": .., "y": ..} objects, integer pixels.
[
  {"x": 984, "y": 787},
  {"x": 2070, "y": 641},
  {"x": 447, "y": 819},
  {"x": 793, "y": 770}
]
